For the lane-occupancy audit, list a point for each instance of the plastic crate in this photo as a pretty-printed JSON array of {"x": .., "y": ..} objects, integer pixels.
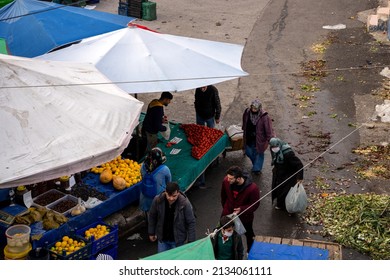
[
  {"x": 111, "y": 251},
  {"x": 103, "y": 242},
  {"x": 83, "y": 253},
  {"x": 149, "y": 11},
  {"x": 122, "y": 9}
]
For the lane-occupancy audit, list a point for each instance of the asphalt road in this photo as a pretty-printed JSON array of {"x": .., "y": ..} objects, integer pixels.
[{"x": 278, "y": 36}]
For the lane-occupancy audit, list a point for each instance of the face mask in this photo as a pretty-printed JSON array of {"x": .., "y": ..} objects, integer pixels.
[
  {"x": 228, "y": 233},
  {"x": 275, "y": 149}
]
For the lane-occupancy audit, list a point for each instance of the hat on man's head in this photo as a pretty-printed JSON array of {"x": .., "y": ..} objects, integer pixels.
[{"x": 256, "y": 104}]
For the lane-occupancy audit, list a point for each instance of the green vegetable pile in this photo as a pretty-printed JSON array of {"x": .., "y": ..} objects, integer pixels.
[{"x": 359, "y": 221}]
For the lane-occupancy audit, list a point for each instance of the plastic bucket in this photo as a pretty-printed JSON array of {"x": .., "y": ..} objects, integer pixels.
[{"x": 18, "y": 238}]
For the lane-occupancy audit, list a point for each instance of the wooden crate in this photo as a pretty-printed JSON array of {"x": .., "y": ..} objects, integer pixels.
[{"x": 333, "y": 248}]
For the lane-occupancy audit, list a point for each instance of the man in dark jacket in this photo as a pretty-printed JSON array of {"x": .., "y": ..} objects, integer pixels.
[
  {"x": 171, "y": 219},
  {"x": 154, "y": 119},
  {"x": 241, "y": 196},
  {"x": 207, "y": 106},
  {"x": 208, "y": 111}
]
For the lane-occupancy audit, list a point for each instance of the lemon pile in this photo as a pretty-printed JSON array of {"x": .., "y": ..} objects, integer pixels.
[
  {"x": 97, "y": 232},
  {"x": 128, "y": 169},
  {"x": 67, "y": 245}
]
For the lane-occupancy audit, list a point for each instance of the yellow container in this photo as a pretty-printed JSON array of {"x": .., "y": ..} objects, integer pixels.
[{"x": 16, "y": 256}]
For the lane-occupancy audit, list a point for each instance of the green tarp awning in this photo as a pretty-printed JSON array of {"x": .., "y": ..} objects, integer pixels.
[
  {"x": 201, "y": 249},
  {"x": 3, "y": 46}
]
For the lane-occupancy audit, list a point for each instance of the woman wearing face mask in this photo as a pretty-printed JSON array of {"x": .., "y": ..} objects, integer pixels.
[
  {"x": 287, "y": 171},
  {"x": 227, "y": 243}
]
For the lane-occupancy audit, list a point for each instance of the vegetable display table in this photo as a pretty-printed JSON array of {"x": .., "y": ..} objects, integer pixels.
[{"x": 184, "y": 168}]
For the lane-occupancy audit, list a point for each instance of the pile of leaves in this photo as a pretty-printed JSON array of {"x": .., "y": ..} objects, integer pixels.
[
  {"x": 201, "y": 137},
  {"x": 375, "y": 163},
  {"x": 359, "y": 221},
  {"x": 314, "y": 69}
]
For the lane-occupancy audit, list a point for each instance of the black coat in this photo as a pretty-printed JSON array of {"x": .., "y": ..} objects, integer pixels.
[
  {"x": 280, "y": 172},
  {"x": 208, "y": 104}
]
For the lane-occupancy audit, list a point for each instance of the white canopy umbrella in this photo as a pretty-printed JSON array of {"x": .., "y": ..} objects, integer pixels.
[
  {"x": 141, "y": 61},
  {"x": 58, "y": 118}
]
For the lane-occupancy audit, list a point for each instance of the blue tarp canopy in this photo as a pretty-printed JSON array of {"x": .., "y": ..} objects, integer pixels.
[
  {"x": 271, "y": 251},
  {"x": 31, "y": 28}
]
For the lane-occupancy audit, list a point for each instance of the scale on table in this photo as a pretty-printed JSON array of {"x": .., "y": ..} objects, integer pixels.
[
  {"x": 6, "y": 218},
  {"x": 7, "y": 214}
]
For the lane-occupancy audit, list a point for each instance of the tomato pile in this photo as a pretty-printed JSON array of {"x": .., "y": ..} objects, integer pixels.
[{"x": 201, "y": 137}]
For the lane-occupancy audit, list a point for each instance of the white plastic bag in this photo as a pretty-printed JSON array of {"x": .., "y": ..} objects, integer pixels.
[
  {"x": 167, "y": 133},
  {"x": 238, "y": 226},
  {"x": 296, "y": 199},
  {"x": 235, "y": 132}
]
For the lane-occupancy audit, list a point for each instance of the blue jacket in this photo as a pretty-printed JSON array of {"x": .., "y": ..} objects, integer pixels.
[{"x": 161, "y": 177}]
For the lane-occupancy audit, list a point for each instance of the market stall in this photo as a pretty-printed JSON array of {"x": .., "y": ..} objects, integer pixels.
[{"x": 184, "y": 167}]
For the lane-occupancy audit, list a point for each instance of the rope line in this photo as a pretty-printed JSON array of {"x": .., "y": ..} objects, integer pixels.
[{"x": 182, "y": 79}]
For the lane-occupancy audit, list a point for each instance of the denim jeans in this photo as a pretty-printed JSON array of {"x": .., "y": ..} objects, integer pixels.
[
  {"x": 166, "y": 245},
  {"x": 256, "y": 158},
  {"x": 201, "y": 181},
  {"x": 209, "y": 122}
]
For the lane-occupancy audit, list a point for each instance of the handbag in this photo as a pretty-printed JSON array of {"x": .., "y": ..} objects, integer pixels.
[
  {"x": 296, "y": 199},
  {"x": 238, "y": 226}
]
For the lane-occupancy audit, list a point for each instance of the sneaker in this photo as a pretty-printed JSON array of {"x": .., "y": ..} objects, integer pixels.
[
  {"x": 256, "y": 172},
  {"x": 277, "y": 208},
  {"x": 203, "y": 187}
]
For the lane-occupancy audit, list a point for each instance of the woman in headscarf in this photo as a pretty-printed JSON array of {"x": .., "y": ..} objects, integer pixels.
[
  {"x": 287, "y": 171},
  {"x": 257, "y": 128},
  {"x": 155, "y": 176}
]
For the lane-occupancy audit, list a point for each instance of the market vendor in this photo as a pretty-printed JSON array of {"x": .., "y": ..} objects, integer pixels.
[{"x": 155, "y": 118}]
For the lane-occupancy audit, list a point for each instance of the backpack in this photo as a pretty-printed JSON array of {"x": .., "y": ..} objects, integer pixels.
[{"x": 149, "y": 184}]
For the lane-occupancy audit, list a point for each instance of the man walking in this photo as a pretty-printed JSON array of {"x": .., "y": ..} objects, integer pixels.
[
  {"x": 207, "y": 106},
  {"x": 241, "y": 196},
  {"x": 171, "y": 219},
  {"x": 154, "y": 119}
]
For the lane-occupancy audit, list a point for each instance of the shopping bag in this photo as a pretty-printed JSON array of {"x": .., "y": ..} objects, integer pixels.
[
  {"x": 167, "y": 133},
  {"x": 238, "y": 226},
  {"x": 296, "y": 199}
]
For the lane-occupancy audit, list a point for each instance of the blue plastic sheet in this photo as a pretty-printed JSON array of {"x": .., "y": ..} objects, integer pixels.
[
  {"x": 271, "y": 251},
  {"x": 31, "y": 28}
]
